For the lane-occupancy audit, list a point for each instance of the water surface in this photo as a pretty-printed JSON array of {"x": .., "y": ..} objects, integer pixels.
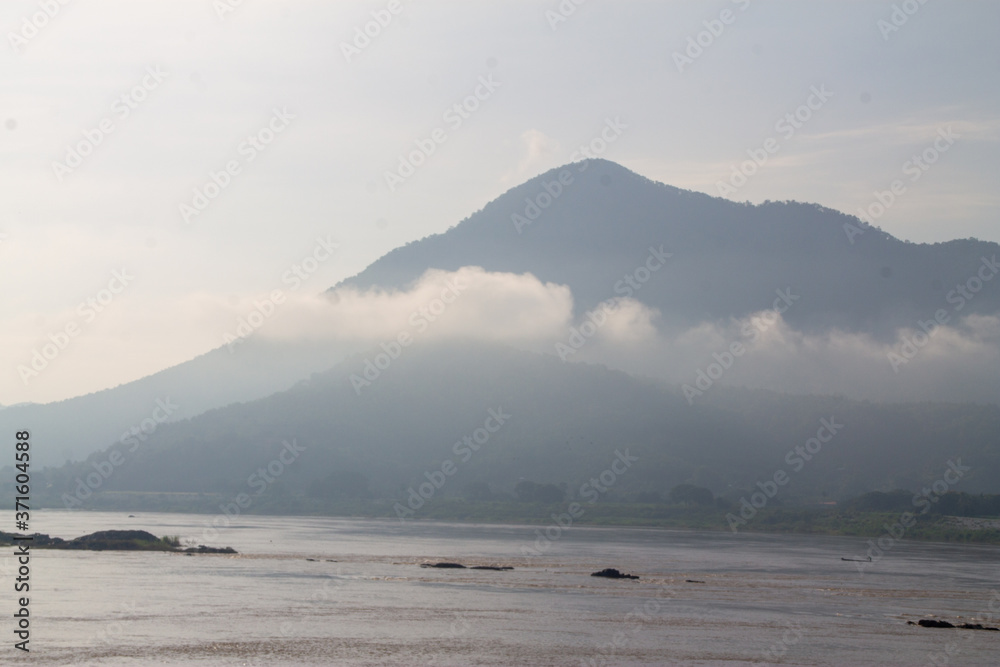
[{"x": 363, "y": 599}]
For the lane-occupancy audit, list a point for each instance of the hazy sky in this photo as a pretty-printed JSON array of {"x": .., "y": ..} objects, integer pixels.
[{"x": 113, "y": 112}]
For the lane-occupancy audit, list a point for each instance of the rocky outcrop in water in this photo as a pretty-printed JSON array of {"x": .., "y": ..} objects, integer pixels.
[
  {"x": 458, "y": 566},
  {"x": 112, "y": 540},
  {"x": 612, "y": 573},
  {"x": 932, "y": 623}
]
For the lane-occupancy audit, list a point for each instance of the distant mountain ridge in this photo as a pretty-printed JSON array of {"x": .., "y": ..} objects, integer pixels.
[
  {"x": 586, "y": 224},
  {"x": 552, "y": 423},
  {"x": 74, "y": 428}
]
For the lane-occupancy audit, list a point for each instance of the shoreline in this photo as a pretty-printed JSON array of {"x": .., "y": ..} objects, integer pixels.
[{"x": 934, "y": 528}]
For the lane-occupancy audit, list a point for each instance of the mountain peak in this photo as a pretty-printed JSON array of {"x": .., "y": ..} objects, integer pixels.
[{"x": 587, "y": 224}]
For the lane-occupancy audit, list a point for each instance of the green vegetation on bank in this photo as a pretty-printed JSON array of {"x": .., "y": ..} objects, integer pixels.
[{"x": 108, "y": 540}]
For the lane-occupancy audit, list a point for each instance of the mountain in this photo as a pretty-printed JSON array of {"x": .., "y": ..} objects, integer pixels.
[
  {"x": 598, "y": 223},
  {"x": 586, "y": 225},
  {"x": 551, "y": 423},
  {"x": 76, "y": 427}
]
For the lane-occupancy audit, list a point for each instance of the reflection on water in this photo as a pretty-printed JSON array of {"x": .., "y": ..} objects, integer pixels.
[{"x": 362, "y": 599}]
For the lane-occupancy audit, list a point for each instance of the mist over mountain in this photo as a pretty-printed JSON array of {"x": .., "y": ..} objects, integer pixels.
[
  {"x": 819, "y": 302},
  {"x": 585, "y": 225},
  {"x": 545, "y": 421}
]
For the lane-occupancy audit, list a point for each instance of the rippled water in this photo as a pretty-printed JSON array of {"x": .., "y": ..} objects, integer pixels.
[{"x": 763, "y": 600}]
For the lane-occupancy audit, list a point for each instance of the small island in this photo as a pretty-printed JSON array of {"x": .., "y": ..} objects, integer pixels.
[{"x": 112, "y": 540}]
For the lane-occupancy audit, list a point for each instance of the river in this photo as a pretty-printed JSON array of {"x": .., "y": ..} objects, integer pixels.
[{"x": 703, "y": 598}]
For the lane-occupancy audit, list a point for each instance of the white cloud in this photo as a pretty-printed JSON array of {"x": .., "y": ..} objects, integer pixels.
[
  {"x": 957, "y": 363},
  {"x": 468, "y": 303},
  {"x": 126, "y": 341}
]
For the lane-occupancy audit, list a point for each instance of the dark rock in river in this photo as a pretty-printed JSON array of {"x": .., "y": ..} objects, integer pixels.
[
  {"x": 454, "y": 566},
  {"x": 977, "y": 626},
  {"x": 612, "y": 573},
  {"x": 931, "y": 623}
]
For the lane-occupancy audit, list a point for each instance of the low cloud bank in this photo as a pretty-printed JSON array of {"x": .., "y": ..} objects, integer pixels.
[{"x": 957, "y": 362}]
